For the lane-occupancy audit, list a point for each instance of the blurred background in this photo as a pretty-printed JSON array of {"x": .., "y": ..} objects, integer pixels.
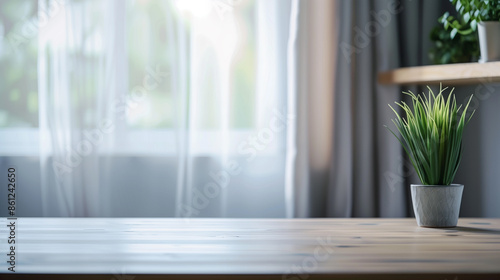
[{"x": 225, "y": 108}]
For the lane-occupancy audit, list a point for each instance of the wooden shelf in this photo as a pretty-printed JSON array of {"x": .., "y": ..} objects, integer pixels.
[{"x": 459, "y": 73}]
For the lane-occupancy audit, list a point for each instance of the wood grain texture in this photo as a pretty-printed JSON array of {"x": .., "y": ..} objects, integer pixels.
[
  {"x": 449, "y": 74},
  {"x": 102, "y": 248}
]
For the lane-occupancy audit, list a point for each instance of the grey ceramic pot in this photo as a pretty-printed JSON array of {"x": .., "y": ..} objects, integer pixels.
[
  {"x": 436, "y": 206},
  {"x": 489, "y": 40}
]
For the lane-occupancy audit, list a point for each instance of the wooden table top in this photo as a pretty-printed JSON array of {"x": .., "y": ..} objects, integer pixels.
[{"x": 154, "y": 248}]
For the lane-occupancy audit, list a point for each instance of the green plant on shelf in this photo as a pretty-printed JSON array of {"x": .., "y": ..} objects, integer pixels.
[
  {"x": 472, "y": 13},
  {"x": 461, "y": 48}
]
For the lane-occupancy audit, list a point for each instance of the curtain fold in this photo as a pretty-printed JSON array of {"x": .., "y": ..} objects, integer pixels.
[
  {"x": 311, "y": 134},
  {"x": 293, "y": 138},
  {"x": 78, "y": 74}
]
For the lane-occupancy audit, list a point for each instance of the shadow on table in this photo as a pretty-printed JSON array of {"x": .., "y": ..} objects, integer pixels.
[{"x": 471, "y": 230}]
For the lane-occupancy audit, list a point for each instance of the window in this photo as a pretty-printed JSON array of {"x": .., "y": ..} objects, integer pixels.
[
  {"x": 218, "y": 31},
  {"x": 206, "y": 25},
  {"x": 18, "y": 60}
]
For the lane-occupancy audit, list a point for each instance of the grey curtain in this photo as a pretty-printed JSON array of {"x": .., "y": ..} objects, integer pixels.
[{"x": 369, "y": 173}]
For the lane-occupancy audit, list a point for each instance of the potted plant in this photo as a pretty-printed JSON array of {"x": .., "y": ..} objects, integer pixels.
[
  {"x": 461, "y": 49},
  {"x": 483, "y": 15},
  {"x": 431, "y": 135}
]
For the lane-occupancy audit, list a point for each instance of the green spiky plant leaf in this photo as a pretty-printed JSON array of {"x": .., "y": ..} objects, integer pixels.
[{"x": 431, "y": 134}]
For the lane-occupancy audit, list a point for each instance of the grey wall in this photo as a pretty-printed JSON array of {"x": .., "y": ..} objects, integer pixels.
[
  {"x": 480, "y": 168},
  {"x": 28, "y": 193},
  {"x": 146, "y": 187}
]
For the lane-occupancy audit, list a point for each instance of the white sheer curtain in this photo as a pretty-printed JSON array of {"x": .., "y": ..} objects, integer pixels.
[
  {"x": 79, "y": 70},
  {"x": 186, "y": 114}
]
